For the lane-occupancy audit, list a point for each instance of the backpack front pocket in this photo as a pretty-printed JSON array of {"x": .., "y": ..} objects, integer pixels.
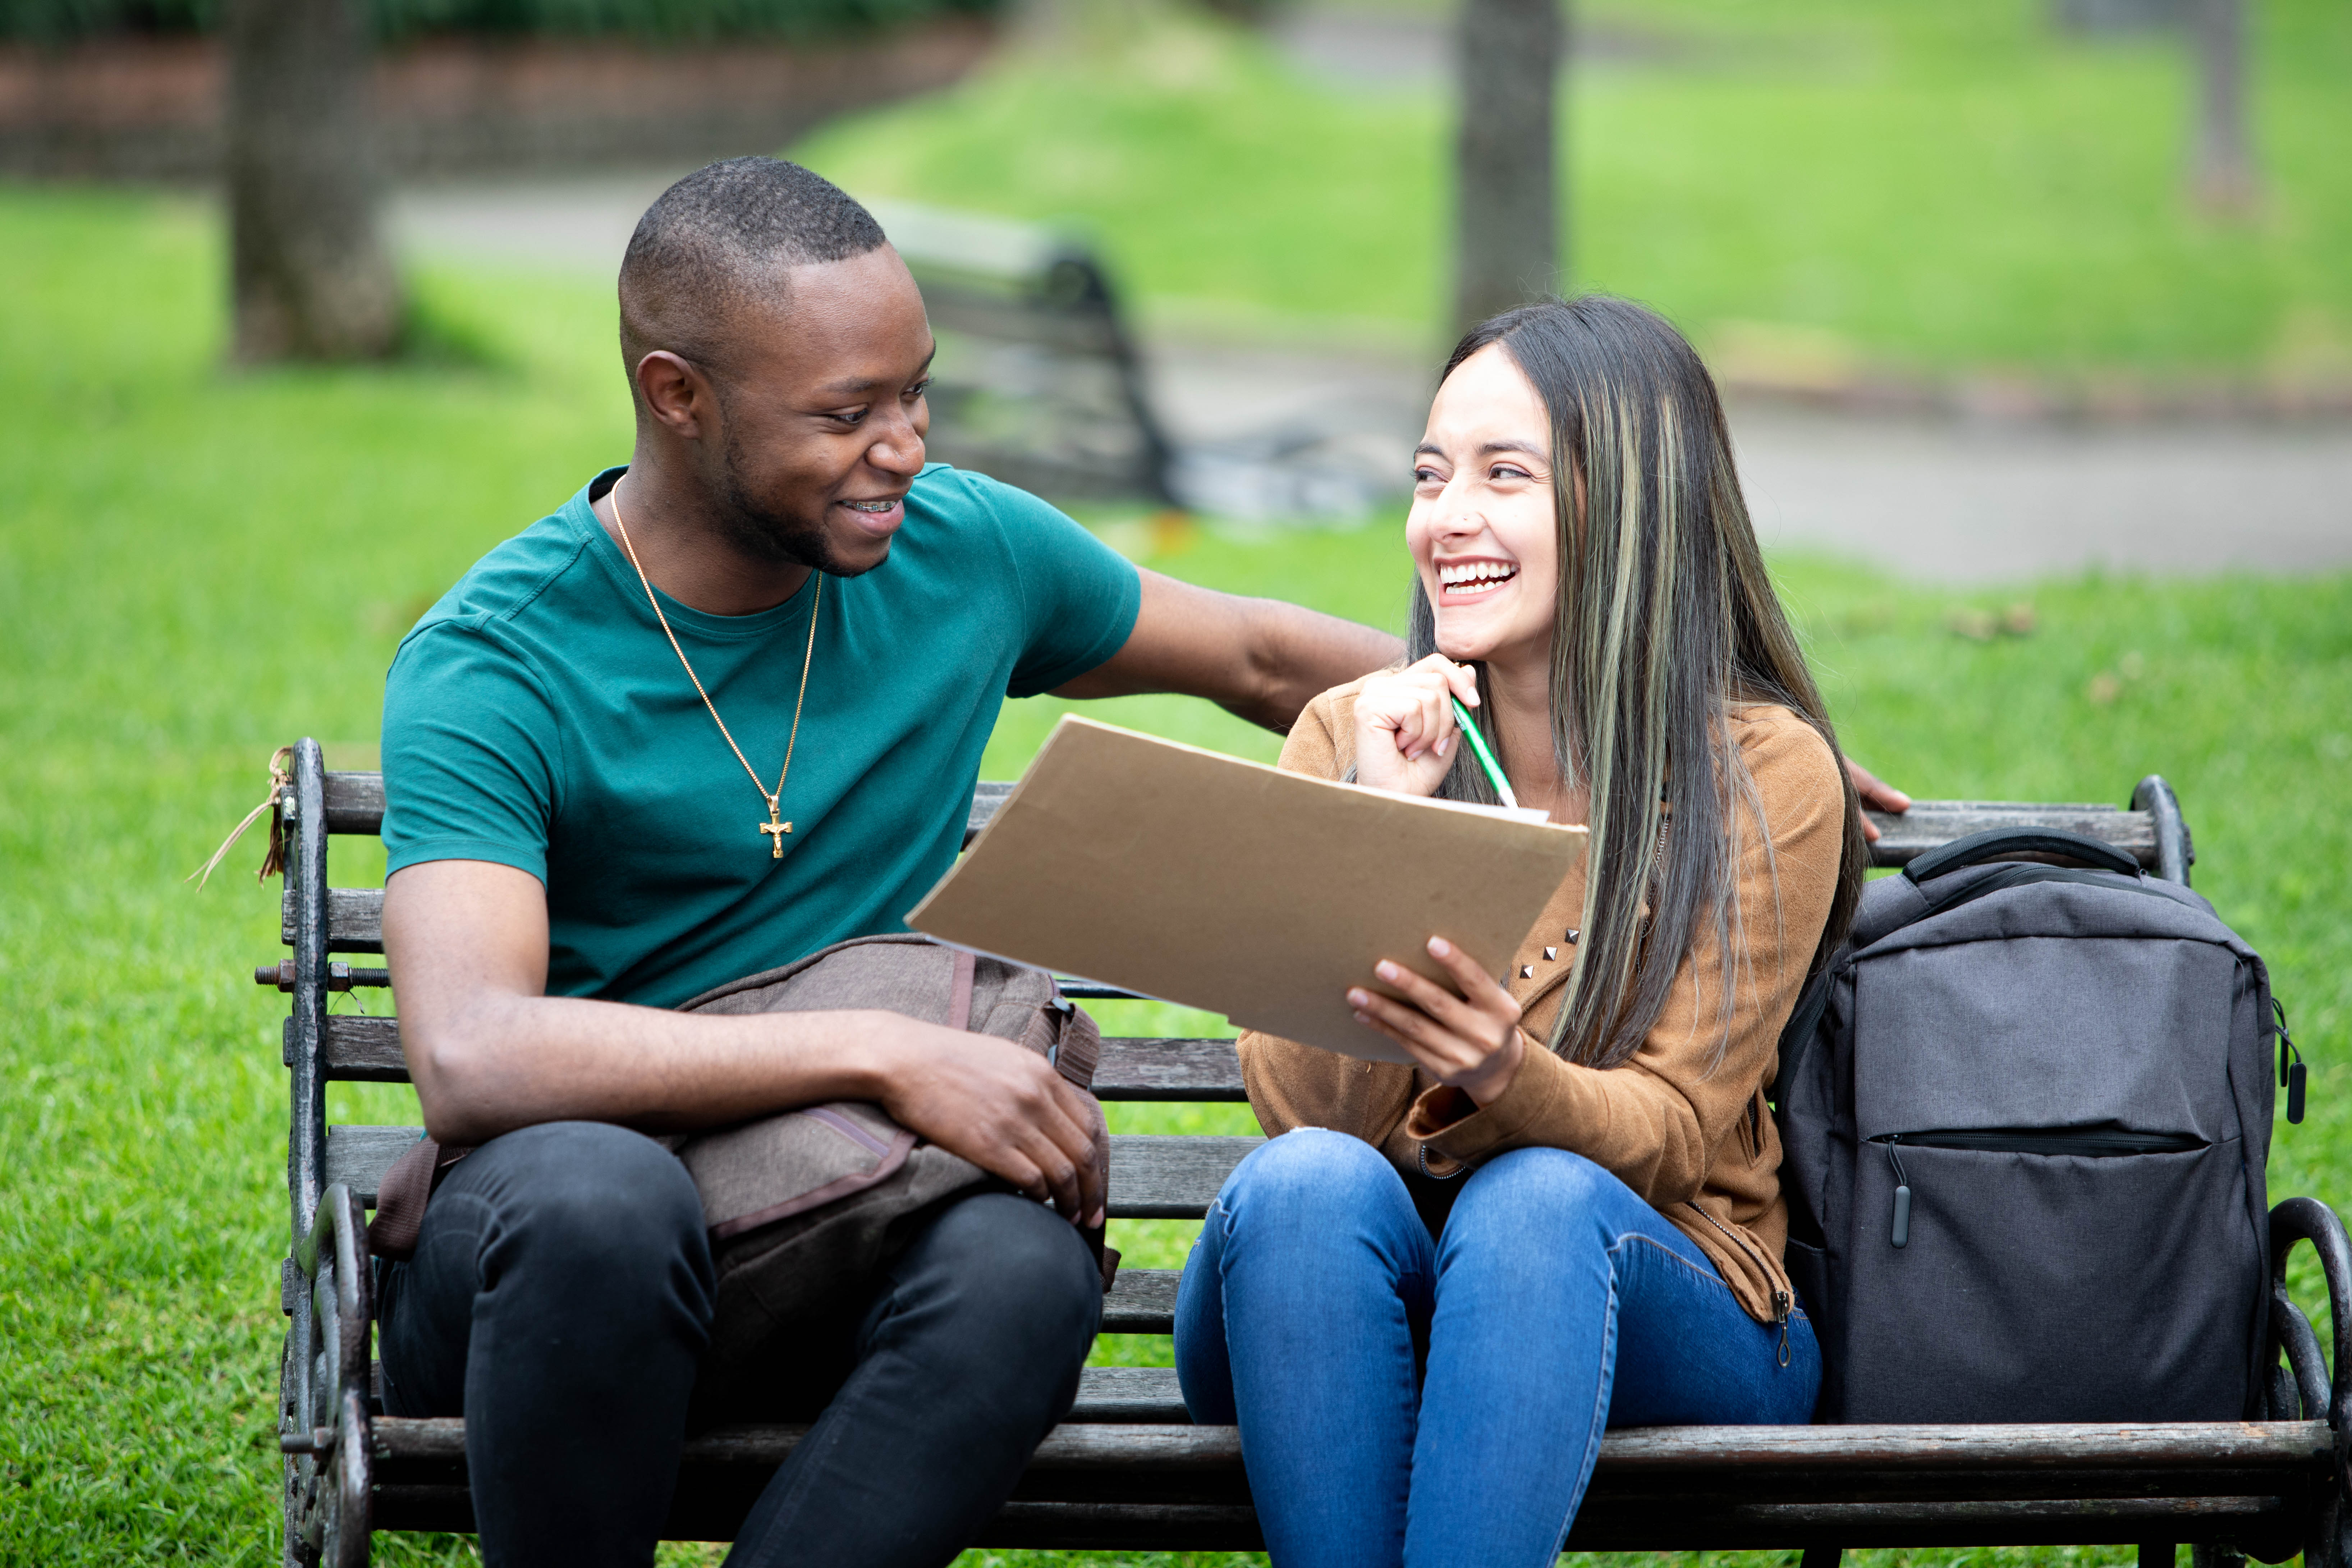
[{"x": 2047, "y": 1273}]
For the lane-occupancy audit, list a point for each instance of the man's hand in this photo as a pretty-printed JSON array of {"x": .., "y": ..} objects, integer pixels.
[
  {"x": 1874, "y": 792},
  {"x": 1260, "y": 659},
  {"x": 1471, "y": 1041},
  {"x": 1405, "y": 732},
  {"x": 1001, "y": 1106}
]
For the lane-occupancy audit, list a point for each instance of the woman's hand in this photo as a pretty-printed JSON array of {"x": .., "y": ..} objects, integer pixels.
[
  {"x": 1471, "y": 1041},
  {"x": 1405, "y": 733}
]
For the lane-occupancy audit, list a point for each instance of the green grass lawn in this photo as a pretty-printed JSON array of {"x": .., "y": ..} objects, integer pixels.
[
  {"x": 197, "y": 566},
  {"x": 1935, "y": 185}
]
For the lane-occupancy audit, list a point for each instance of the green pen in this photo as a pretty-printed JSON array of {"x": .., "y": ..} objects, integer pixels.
[{"x": 1485, "y": 758}]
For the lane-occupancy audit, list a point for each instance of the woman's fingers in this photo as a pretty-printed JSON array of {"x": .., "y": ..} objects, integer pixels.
[
  {"x": 1412, "y": 1047},
  {"x": 1463, "y": 681},
  {"x": 1481, "y": 989},
  {"x": 1431, "y": 998},
  {"x": 1414, "y": 1030}
]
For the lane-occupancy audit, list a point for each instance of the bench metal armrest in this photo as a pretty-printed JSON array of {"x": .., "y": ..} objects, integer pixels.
[
  {"x": 2308, "y": 1219},
  {"x": 325, "y": 1429}
]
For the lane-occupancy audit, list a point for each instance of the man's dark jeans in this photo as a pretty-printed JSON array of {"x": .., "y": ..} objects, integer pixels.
[{"x": 561, "y": 1298}]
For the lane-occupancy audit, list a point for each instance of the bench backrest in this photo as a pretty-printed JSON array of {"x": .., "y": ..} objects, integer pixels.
[{"x": 1152, "y": 1177}]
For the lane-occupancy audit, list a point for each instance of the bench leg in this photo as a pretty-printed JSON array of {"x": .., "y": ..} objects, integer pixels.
[
  {"x": 1821, "y": 1557},
  {"x": 2157, "y": 1554},
  {"x": 2216, "y": 1557}
]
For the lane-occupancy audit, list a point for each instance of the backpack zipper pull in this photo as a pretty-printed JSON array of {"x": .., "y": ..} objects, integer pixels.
[
  {"x": 1781, "y": 1316},
  {"x": 2290, "y": 1078},
  {"x": 1901, "y": 1234}
]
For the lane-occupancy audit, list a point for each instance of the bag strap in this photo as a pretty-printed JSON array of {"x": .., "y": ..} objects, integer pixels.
[
  {"x": 403, "y": 1192},
  {"x": 1079, "y": 1049},
  {"x": 960, "y": 990}
]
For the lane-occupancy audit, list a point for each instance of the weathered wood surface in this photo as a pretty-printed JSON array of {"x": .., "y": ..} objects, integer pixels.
[
  {"x": 1156, "y": 1176},
  {"x": 1135, "y": 1483},
  {"x": 356, "y": 915},
  {"x": 355, "y": 804},
  {"x": 360, "y": 1157},
  {"x": 1141, "y": 1302},
  {"x": 363, "y": 1049},
  {"x": 1148, "y": 1069},
  {"x": 1930, "y": 823},
  {"x": 1119, "y": 1394},
  {"x": 1112, "y": 1527},
  {"x": 2285, "y": 1448},
  {"x": 367, "y": 1049},
  {"x": 354, "y": 920},
  {"x": 711, "y": 1505},
  {"x": 1152, "y": 1176}
]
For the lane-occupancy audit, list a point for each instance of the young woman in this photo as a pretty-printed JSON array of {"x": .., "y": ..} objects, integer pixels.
[{"x": 1425, "y": 1299}]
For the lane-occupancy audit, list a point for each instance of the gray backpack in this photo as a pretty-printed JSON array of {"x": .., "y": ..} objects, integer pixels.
[{"x": 2025, "y": 1110}]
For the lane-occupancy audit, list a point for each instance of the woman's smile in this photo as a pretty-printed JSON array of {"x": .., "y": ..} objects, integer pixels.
[{"x": 1467, "y": 581}]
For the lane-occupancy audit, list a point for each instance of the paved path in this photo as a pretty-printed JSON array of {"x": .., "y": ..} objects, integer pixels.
[{"x": 1949, "y": 501}]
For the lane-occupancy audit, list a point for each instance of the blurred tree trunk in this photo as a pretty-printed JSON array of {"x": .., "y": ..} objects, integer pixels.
[
  {"x": 1507, "y": 212},
  {"x": 2224, "y": 177},
  {"x": 309, "y": 273}
]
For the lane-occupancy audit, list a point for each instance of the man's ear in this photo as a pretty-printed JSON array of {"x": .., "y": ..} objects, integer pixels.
[{"x": 678, "y": 394}]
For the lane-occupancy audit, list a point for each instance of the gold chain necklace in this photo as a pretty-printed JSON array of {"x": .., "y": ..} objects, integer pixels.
[{"x": 775, "y": 827}]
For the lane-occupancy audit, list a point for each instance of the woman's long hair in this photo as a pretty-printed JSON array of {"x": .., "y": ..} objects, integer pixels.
[{"x": 1666, "y": 621}]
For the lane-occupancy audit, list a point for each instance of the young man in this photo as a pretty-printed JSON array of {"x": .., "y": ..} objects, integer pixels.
[{"x": 723, "y": 708}]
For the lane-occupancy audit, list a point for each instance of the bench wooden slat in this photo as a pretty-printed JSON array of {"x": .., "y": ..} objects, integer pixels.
[
  {"x": 355, "y": 802},
  {"x": 1128, "y": 1483},
  {"x": 367, "y": 1050},
  {"x": 1158, "y": 1176},
  {"x": 1147, "y": 1395},
  {"x": 1143, "y": 1067},
  {"x": 1152, "y": 1176},
  {"x": 362, "y": 1049},
  {"x": 1933, "y": 823},
  {"x": 1141, "y": 1302},
  {"x": 359, "y": 1156},
  {"x": 354, "y": 918},
  {"x": 2281, "y": 1447},
  {"x": 356, "y": 915},
  {"x": 712, "y": 1506}
]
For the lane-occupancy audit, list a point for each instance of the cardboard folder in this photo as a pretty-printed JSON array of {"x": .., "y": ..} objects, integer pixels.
[{"x": 1262, "y": 895}]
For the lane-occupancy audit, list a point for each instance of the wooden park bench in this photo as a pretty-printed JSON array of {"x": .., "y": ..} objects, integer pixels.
[
  {"x": 1039, "y": 382},
  {"x": 1130, "y": 1470}
]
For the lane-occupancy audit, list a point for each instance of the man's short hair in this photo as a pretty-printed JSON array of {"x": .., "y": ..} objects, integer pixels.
[{"x": 721, "y": 239}]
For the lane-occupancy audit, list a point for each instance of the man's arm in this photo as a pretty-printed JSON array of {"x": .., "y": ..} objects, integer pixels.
[
  {"x": 491, "y": 1052},
  {"x": 1877, "y": 793},
  {"x": 1260, "y": 659}
]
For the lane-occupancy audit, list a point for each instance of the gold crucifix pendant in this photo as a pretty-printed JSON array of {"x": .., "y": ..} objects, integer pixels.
[{"x": 775, "y": 829}]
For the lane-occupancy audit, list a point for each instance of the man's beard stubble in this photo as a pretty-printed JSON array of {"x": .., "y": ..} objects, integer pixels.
[{"x": 767, "y": 534}]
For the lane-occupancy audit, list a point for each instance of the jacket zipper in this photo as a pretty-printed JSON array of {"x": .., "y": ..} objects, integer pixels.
[
  {"x": 1780, "y": 1300},
  {"x": 2094, "y": 1143}
]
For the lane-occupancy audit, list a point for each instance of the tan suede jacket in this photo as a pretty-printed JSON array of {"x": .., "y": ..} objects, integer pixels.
[{"x": 1698, "y": 1145}]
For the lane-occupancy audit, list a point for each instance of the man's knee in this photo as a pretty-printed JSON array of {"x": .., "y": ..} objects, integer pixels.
[
  {"x": 1013, "y": 1275},
  {"x": 1309, "y": 1176},
  {"x": 590, "y": 1190}
]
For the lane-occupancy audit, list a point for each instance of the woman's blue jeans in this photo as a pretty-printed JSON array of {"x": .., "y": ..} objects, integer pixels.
[{"x": 1408, "y": 1400}]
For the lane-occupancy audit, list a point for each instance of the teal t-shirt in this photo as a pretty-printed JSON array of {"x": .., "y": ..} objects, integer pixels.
[{"x": 536, "y": 717}]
